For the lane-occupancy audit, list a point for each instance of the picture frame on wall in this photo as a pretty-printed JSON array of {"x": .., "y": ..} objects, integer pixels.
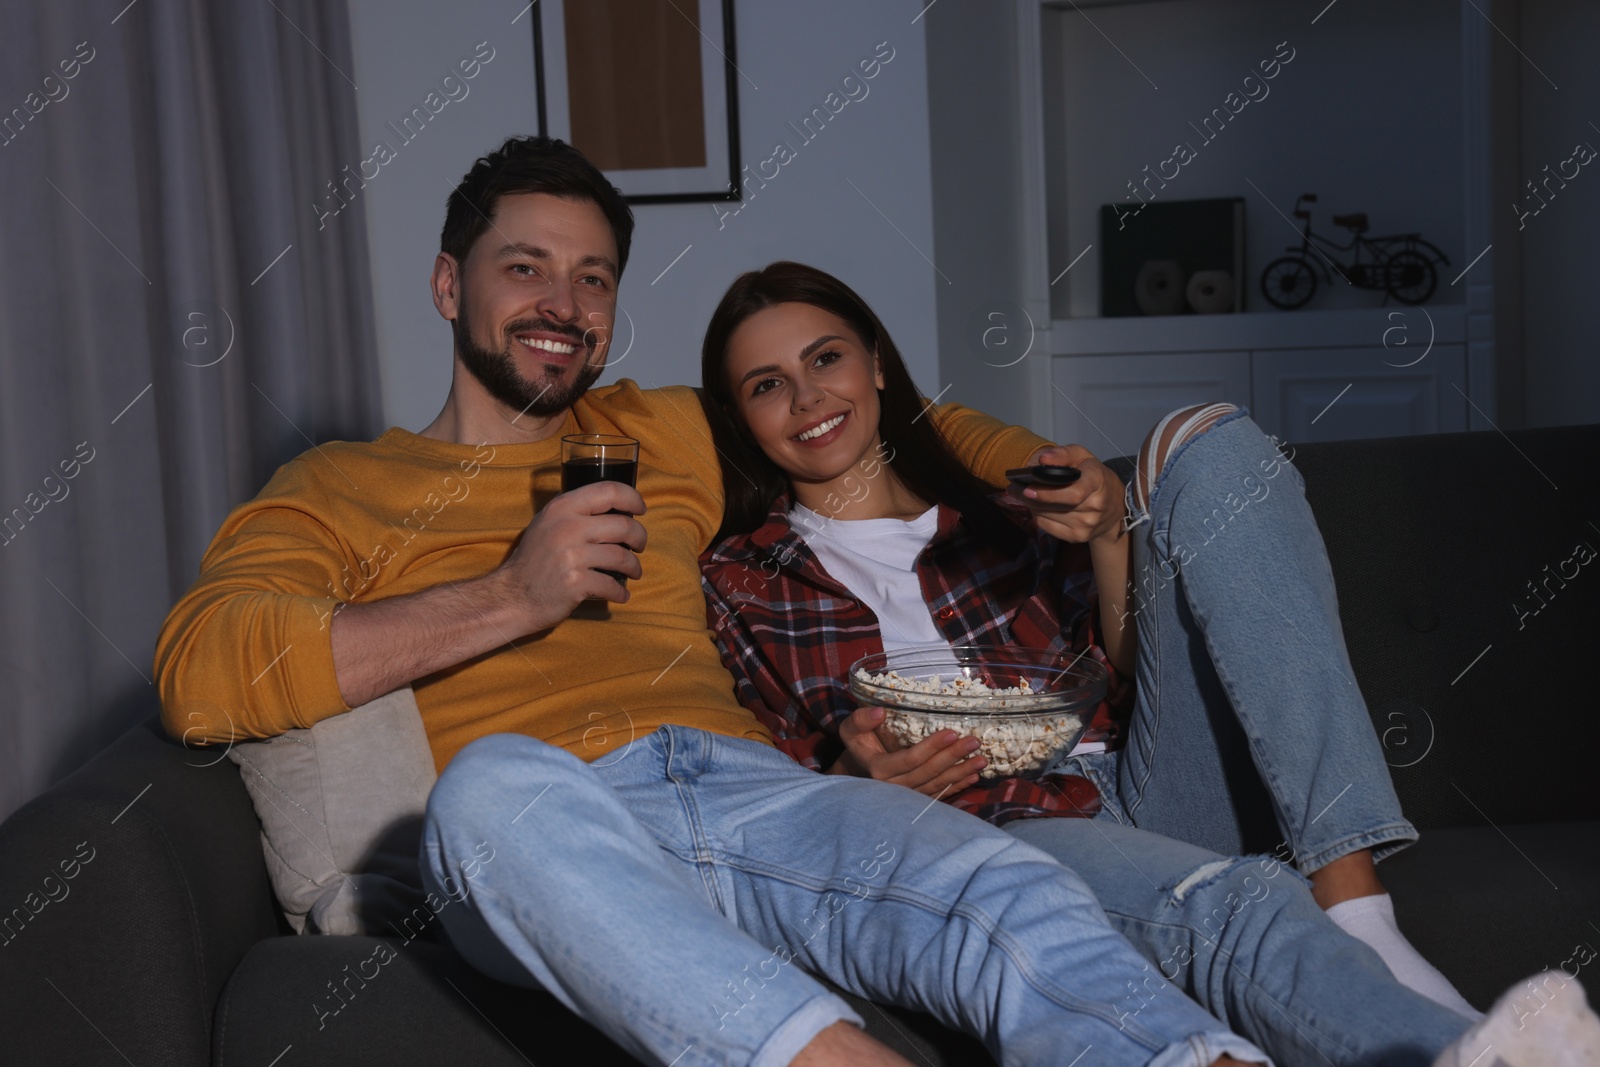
[{"x": 613, "y": 82}]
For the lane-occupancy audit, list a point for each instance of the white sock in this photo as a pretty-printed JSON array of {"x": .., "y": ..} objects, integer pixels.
[
  {"x": 1371, "y": 920},
  {"x": 1543, "y": 1022}
]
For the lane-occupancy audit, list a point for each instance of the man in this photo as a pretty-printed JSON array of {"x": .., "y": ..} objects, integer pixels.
[{"x": 660, "y": 867}]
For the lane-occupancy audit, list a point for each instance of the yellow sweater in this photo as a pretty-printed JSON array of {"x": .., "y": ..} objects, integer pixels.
[{"x": 246, "y": 653}]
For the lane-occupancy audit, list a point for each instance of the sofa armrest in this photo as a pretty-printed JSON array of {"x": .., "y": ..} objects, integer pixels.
[
  {"x": 130, "y": 891},
  {"x": 1466, "y": 640}
]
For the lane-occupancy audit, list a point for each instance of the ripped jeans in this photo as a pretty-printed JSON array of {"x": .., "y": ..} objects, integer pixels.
[
  {"x": 1248, "y": 735},
  {"x": 677, "y": 894}
]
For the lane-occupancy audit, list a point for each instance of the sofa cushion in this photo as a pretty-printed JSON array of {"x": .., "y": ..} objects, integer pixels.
[
  {"x": 425, "y": 1005},
  {"x": 1492, "y": 905},
  {"x": 1474, "y": 654},
  {"x": 341, "y": 808}
]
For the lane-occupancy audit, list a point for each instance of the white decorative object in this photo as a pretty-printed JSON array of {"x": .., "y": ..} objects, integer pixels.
[
  {"x": 1158, "y": 287},
  {"x": 1210, "y": 292}
]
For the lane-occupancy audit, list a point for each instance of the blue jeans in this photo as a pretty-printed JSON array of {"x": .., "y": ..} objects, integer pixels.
[
  {"x": 1243, "y": 937},
  {"x": 676, "y": 895},
  {"x": 1248, "y": 729}
]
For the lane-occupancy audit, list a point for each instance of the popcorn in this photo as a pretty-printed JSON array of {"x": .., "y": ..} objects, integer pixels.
[{"x": 1013, "y": 744}]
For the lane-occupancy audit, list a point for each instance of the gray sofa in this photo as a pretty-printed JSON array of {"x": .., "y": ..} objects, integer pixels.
[{"x": 165, "y": 947}]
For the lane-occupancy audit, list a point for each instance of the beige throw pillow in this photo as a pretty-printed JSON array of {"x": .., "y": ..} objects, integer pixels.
[{"x": 341, "y": 808}]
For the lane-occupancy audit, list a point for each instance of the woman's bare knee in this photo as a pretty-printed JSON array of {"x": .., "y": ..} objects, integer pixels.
[{"x": 1178, "y": 426}]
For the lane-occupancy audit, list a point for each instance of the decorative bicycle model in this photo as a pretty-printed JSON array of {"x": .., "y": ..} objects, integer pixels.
[{"x": 1401, "y": 265}]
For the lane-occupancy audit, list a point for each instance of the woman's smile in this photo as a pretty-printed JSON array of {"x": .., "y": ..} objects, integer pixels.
[{"x": 822, "y": 432}]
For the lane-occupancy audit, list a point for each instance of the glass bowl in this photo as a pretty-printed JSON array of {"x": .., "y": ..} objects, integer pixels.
[{"x": 1026, "y": 706}]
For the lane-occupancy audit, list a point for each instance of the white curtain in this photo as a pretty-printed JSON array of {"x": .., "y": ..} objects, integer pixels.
[{"x": 173, "y": 326}]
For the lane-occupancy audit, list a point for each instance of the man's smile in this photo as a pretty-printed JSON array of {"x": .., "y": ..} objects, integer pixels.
[{"x": 559, "y": 348}]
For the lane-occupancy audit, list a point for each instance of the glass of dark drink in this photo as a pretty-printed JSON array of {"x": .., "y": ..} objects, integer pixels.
[{"x": 587, "y": 458}]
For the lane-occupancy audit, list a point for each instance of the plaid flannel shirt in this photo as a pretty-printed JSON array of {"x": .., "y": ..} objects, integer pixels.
[{"x": 788, "y": 633}]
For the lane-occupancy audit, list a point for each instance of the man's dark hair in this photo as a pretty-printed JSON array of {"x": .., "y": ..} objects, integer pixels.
[{"x": 530, "y": 165}]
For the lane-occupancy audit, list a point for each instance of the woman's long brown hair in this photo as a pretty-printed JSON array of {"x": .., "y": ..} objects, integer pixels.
[{"x": 920, "y": 458}]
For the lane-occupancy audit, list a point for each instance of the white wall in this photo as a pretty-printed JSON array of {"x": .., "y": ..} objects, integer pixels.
[
  {"x": 991, "y": 356},
  {"x": 795, "y": 54},
  {"x": 1559, "y": 244}
]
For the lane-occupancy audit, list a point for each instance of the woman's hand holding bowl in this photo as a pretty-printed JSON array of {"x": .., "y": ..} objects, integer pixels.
[{"x": 935, "y": 766}]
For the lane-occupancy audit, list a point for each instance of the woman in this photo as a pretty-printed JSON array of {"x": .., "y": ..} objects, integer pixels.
[{"x": 850, "y": 528}]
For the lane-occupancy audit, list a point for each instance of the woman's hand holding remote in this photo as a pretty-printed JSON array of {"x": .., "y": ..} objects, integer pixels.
[{"x": 1090, "y": 509}]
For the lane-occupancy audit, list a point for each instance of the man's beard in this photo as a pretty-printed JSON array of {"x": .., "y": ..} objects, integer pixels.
[{"x": 497, "y": 371}]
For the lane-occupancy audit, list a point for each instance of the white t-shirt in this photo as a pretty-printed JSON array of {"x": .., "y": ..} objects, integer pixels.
[{"x": 876, "y": 559}]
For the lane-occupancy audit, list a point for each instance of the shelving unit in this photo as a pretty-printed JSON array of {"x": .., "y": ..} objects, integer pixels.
[
  {"x": 1395, "y": 327},
  {"x": 1348, "y": 366}
]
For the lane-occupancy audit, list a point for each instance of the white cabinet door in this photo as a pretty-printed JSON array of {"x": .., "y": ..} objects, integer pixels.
[
  {"x": 1108, "y": 403},
  {"x": 1336, "y": 394}
]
